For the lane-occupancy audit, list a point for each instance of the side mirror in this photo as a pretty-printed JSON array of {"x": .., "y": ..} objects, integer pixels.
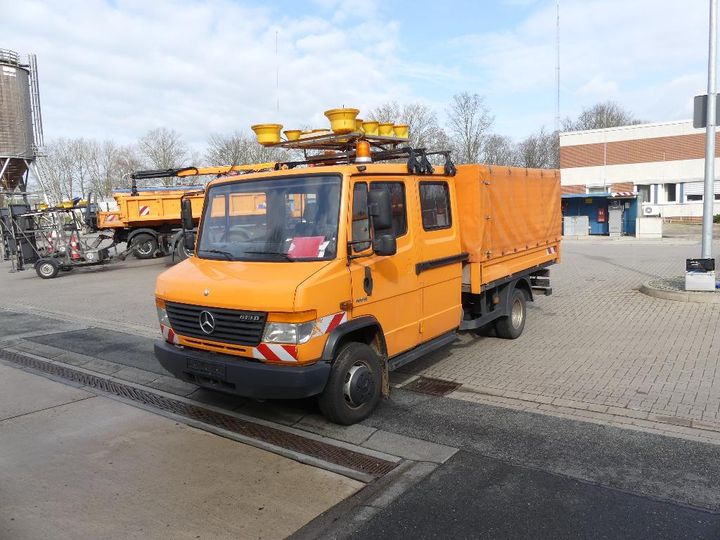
[
  {"x": 189, "y": 240},
  {"x": 186, "y": 214},
  {"x": 380, "y": 209},
  {"x": 385, "y": 244}
]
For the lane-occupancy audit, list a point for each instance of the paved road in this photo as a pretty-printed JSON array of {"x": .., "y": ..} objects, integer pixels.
[{"x": 597, "y": 349}]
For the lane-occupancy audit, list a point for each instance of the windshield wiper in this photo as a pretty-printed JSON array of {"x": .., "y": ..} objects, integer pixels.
[
  {"x": 229, "y": 256},
  {"x": 284, "y": 256}
]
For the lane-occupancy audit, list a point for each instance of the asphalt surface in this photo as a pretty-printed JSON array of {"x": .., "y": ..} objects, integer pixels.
[
  {"x": 118, "y": 347},
  {"x": 472, "y": 496}
]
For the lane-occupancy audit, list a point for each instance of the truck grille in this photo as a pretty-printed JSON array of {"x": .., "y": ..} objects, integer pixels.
[{"x": 230, "y": 326}]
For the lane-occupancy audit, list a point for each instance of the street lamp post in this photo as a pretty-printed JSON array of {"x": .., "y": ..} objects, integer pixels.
[{"x": 709, "y": 193}]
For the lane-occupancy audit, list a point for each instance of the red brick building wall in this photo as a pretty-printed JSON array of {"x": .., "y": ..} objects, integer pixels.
[{"x": 636, "y": 151}]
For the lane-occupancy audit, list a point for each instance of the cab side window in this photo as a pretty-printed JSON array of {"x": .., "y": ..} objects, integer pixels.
[
  {"x": 435, "y": 205},
  {"x": 360, "y": 218},
  {"x": 399, "y": 213}
]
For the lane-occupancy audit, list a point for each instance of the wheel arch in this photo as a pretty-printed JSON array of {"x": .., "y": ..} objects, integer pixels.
[
  {"x": 364, "y": 329},
  {"x": 141, "y": 230}
]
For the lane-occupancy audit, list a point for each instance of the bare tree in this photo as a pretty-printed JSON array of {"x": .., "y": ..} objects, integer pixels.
[
  {"x": 500, "y": 150},
  {"x": 126, "y": 162},
  {"x": 601, "y": 115},
  {"x": 238, "y": 148},
  {"x": 469, "y": 121},
  {"x": 423, "y": 128},
  {"x": 539, "y": 150},
  {"x": 164, "y": 148}
]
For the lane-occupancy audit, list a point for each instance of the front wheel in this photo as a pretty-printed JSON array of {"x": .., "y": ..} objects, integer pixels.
[
  {"x": 47, "y": 268},
  {"x": 354, "y": 387},
  {"x": 512, "y": 326}
]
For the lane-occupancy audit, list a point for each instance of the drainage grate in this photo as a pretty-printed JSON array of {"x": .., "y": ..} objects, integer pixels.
[
  {"x": 290, "y": 441},
  {"x": 433, "y": 387}
]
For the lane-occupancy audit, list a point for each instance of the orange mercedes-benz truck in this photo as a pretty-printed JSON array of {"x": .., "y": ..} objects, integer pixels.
[{"x": 352, "y": 269}]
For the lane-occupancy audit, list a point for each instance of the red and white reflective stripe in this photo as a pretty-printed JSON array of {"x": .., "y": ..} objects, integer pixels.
[
  {"x": 623, "y": 194},
  {"x": 111, "y": 217},
  {"x": 169, "y": 335},
  {"x": 275, "y": 352},
  {"x": 551, "y": 250},
  {"x": 330, "y": 322},
  {"x": 144, "y": 210}
]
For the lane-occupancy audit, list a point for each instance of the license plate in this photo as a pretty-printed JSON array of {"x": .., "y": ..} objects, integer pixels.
[{"x": 206, "y": 368}]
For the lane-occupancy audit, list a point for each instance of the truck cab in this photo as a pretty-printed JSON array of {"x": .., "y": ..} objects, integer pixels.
[{"x": 336, "y": 275}]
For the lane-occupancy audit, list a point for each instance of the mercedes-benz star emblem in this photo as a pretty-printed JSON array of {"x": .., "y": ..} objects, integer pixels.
[{"x": 207, "y": 322}]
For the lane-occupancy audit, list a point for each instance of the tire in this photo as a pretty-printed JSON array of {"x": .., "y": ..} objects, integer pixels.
[
  {"x": 511, "y": 326},
  {"x": 181, "y": 253},
  {"x": 47, "y": 268},
  {"x": 145, "y": 246},
  {"x": 354, "y": 387}
]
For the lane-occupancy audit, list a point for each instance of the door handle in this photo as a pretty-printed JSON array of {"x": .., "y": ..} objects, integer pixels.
[{"x": 368, "y": 281}]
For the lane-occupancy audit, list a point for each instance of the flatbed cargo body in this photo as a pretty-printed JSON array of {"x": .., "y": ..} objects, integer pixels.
[{"x": 510, "y": 221}]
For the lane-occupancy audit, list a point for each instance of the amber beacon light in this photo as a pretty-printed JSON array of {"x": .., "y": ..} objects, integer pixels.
[{"x": 362, "y": 152}]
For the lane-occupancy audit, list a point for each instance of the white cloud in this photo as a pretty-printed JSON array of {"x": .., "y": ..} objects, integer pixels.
[
  {"x": 115, "y": 72},
  {"x": 610, "y": 49}
]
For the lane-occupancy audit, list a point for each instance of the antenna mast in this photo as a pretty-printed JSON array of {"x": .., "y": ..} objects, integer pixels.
[
  {"x": 557, "y": 65},
  {"x": 277, "y": 74}
]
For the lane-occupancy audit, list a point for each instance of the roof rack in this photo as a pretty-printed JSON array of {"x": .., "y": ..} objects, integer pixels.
[
  {"x": 342, "y": 142},
  {"x": 344, "y": 147}
]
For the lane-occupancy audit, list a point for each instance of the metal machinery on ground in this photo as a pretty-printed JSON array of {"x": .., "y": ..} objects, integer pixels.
[{"x": 54, "y": 239}]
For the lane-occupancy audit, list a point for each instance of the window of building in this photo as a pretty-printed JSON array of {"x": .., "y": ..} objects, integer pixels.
[
  {"x": 596, "y": 189},
  {"x": 671, "y": 192},
  {"x": 694, "y": 198},
  {"x": 397, "y": 197},
  {"x": 643, "y": 194},
  {"x": 435, "y": 205}
]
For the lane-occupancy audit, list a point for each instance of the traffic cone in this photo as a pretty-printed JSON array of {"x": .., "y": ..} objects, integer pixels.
[
  {"x": 50, "y": 243},
  {"x": 74, "y": 251}
]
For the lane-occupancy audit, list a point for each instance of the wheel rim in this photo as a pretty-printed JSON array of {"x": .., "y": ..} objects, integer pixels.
[
  {"x": 47, "y": 269},
  {"x": 145, "y": 248},
  {"x": 359, "y": 386},
  {"x": 517, "y": 313}
]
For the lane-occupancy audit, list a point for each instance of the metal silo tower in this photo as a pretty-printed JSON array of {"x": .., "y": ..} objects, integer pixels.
[{"x": 21, "y": 134}]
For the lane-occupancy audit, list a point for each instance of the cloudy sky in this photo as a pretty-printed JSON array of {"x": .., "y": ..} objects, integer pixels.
[{"x": 117, "y": 68}]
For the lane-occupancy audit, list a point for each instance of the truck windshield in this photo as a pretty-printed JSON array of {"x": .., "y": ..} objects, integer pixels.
[{"x": 274, "y": 219}]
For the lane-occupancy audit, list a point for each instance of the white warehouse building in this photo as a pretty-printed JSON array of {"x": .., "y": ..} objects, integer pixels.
[{"x": 663, "y": 163}]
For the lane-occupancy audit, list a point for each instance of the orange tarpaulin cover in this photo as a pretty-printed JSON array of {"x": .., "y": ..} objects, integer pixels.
[{"x": 507, "y": 210}]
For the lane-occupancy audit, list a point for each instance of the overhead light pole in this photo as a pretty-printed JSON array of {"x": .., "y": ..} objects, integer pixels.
[{"x": 709, "y": 193}]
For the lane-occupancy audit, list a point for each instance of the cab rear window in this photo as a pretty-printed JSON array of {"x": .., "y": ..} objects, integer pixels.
[{"x": 435, "y": 205}]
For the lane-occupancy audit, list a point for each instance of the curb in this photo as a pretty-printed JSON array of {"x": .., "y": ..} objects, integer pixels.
[{"x": 681, "y": 296}]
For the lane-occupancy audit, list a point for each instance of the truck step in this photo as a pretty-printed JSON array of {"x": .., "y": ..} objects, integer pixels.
[{"x": 545, "y": 291}]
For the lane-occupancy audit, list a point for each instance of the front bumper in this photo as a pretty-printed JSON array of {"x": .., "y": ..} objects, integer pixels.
[{"x": 246, "y": 378}]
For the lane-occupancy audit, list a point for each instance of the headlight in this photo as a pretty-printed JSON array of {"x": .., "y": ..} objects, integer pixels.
[{"x": 293, "y": 333}]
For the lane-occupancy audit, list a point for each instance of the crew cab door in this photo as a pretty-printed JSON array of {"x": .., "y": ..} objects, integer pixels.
[
  {"x": 439, "y": 265},
  {"x": 385, "y": 287}
]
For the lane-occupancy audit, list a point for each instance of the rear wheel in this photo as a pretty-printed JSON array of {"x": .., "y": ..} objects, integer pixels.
[
  {"x": 47, "y": 268},
  {"x": 145, "y": 246},
  {"x": 354, "y": 387},
  {"x": 512, "y": 326}
]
